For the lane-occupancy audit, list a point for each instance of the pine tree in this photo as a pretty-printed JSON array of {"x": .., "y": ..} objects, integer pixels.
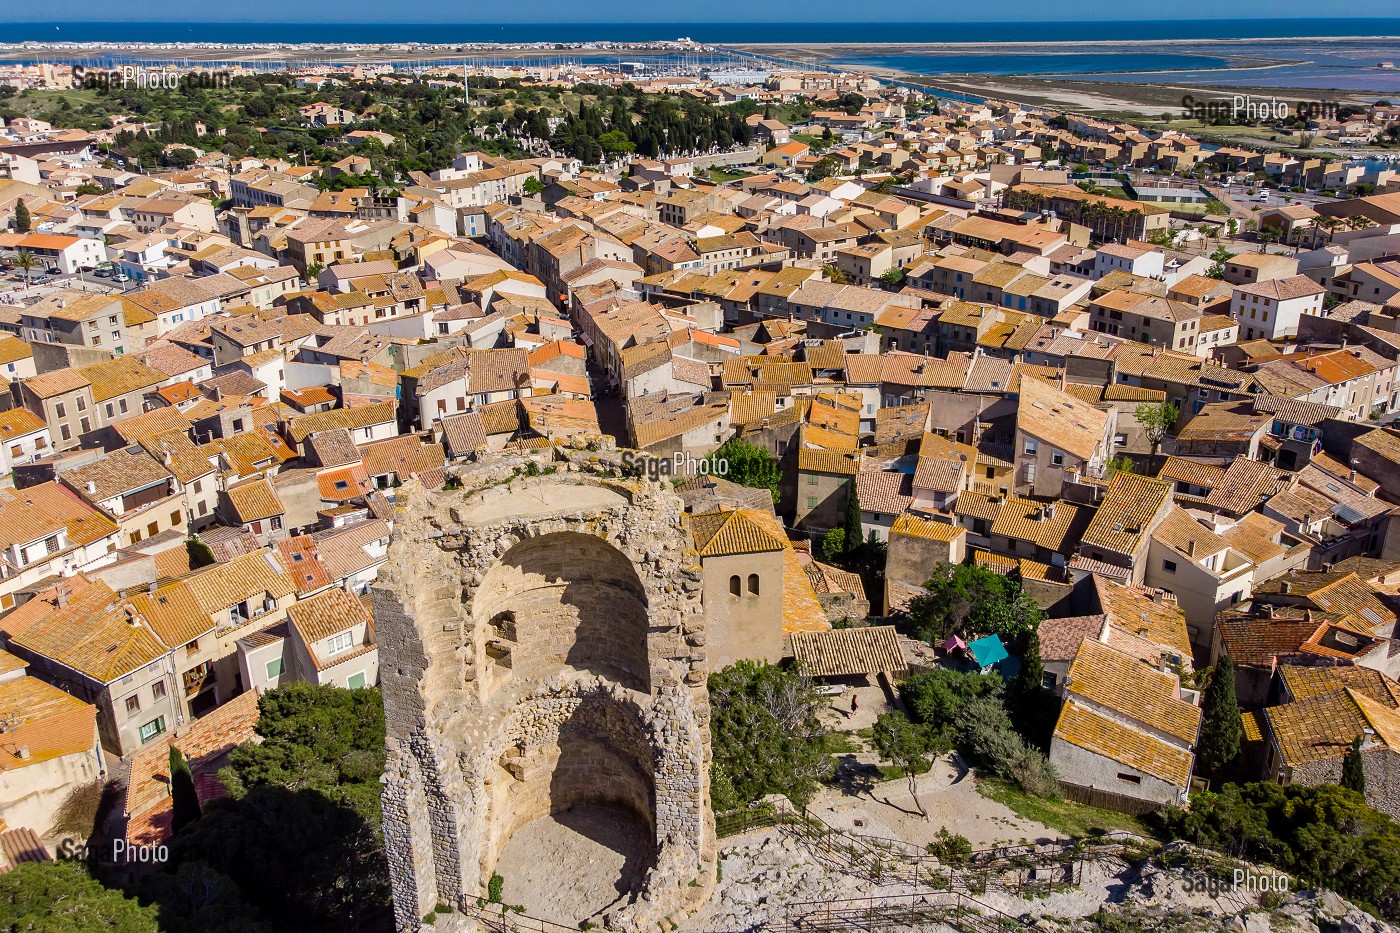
[
  {"x": 853, "y": 535},
  {"x": 1353, "y": 774},
  {"x": 184, "y": 798},
  {"x": 1219, "y": 744},
  {"x": 22, "y": 220}
]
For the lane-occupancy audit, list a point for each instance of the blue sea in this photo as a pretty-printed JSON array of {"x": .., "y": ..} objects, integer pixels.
[{"x": 710, "y": 33}]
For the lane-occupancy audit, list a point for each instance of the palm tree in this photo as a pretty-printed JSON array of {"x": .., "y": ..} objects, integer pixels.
[
  {"x": 25, "y": 260},
  {"x": 1329, "y": 225}
]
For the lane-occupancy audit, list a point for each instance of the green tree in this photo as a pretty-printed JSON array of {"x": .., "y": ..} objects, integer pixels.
[
  {"x": 765, "y": 734},
  {"x": 893, "y": 276},
  {"x": 184, "y": 798},
  {"x": 25, "y": 261},
  {"x": 22, "y": 219},
  {"x": 824, "y": 167},
  {"x": 969, "y": 600},
  {"x": 834, "y": 543},
  {"x": 180, "y": 157},
  {"x": 1221, "y": 254},
  {"x": 1156, "y": 419},
  {"x": 852, "y": 537},
  {"x": 532, "y": 185},
  {"x": 1219, "y": 742},
  {"x": 313, "y": 272},
  {"x": 1353, "y": 770},
  {"x": 1028, "y": 682},
  {"x": 906, "y": 746},
  {"x": 312, "y": 784},
  {"x": 199, "y": 553},
  {"x": 748, "y": 465},
  {"x": 319, "y": 738},
  {"x": 1325, "y": 835},
  {"x": 61, "y": 897}
]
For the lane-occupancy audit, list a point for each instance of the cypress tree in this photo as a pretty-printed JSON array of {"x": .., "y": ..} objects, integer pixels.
[
  {"x": 22, "y": 220},
  {"x": 853, "y": 535},
  {"x": 1353, "y": 774},
  {"x": 1032, "y": 669},
  {"x": 184, "y": 798},
  {"x": 1219, "y": 744}
]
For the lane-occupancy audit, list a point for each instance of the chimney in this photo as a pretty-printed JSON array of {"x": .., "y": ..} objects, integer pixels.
[
  {"x": 1050, "y": 510},
  {"x": 1351, "y": 476},
  {"x": 61, "y": 596},
  {"x": 1191, "y": 548},
  {"x": 22, "y": 753},
  {"x": 91, "y": 488},
  {"x": 1285, "y": 587},
  {"x": 1157, "y": 596}
]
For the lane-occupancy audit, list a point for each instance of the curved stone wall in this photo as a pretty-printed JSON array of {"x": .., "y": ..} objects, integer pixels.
[{"x": 542, "y": 646}]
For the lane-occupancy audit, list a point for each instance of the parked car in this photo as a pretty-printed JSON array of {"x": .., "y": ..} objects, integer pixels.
[
  {"x": 54, "y": 270},
  {"x": 103, "y": 273},
  {"x": 121, "y": 277}
]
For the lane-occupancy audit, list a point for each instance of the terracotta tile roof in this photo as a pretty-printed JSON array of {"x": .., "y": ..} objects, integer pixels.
[
  {"x": 406, "y": 455},
  {"x": 360, "y": 416},
  {"x": 120, "y": 376},
  {"x": 173, "y": 614},
  {"x": 217, "y": 587},
  {"x": 1130, "y": 505},
  {"x": 254, "y": 500},
  {"x": 18, "y": 422},
  {"x": 1059, "y": 419},
  {"x": 1322, "y": 727},
  {"x": 88, "y": 633},
  {"x": 724, "y": 533},
  {"x": 828, "y": 579},
  {"x": 1060, "y": 638},
  {"x": 1304, "y": 683},
  {"x": 56, "y": 382},
  {"x": 843, "y": 652},
  {"x": 205, "y": 743},
  {"x": 912, "y": 526},
  {"x": 1054, "y": 526},
  {"x": 326, "y": 614},
  {"x": 1145, "y": 613},
  {"x": 884, "y": 491},
  {"x": 27, "y": 515},
  {"x": 301, "y": 558},
  {"x": 12, "y": 350},
  {"x": 1087, "y": 729},
  {"x": 45, "y": 720},
  {"x": 1207, "y": 475},
  {"x": 121, "y": 471},
  {"x": 347, "y": 551},
  {"x": 1122, "y": 683}
]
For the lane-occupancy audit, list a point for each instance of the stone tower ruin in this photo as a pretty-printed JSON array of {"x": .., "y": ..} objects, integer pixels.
[{"x": 542, "y": 647}]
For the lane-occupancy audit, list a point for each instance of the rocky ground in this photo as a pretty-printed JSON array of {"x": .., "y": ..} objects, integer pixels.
[{"x": 768, "y": 876}]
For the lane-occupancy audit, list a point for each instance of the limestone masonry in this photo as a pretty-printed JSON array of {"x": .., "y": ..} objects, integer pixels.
[{"x": 542, "y": 646}]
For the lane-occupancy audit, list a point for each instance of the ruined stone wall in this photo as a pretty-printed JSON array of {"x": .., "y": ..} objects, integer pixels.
[{"x": 542, "y": 645}]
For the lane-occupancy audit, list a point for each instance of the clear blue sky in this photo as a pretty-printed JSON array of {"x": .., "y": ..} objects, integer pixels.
[{"x": 649, "y": 11}]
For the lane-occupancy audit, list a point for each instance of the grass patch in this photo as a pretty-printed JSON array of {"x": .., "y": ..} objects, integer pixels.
[
  {"x": 841, "y": 743},
  {"x": 720, "y": 176},
  {"x": 814, "y": 142},
  {"x": 1075, "y": 820}
]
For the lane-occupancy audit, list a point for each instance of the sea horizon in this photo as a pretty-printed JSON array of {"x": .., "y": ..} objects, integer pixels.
[{"x": 439, "y": 33}]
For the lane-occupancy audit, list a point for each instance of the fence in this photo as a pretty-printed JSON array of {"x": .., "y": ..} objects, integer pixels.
[{"x": 1108, "y": 800}]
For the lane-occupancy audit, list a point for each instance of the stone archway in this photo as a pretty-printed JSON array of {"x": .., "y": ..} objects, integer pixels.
[
  {"x": 563, "y": 601},
  {"x": 542, "y": 662}
]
